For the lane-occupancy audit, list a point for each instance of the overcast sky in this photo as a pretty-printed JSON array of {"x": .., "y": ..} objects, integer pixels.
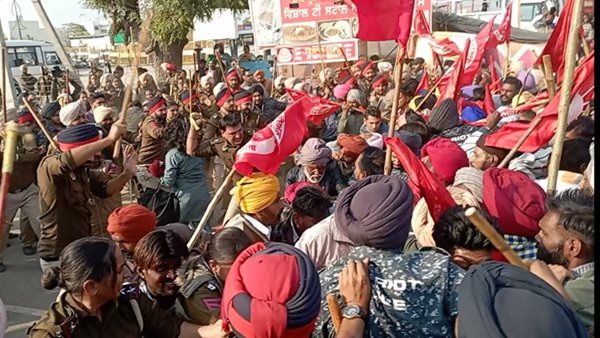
[{"x": 59, "y": 12}]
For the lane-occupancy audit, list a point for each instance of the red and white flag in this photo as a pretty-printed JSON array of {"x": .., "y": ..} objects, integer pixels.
[
  {"x": 269, "y": 146},
  {"x": 502, "y": 34},
  {"x": 443, "y": 47},
  {"x": 508, "y": 135},
  {"x": 424, "y": 83},
  {"x": 384, "y": 20}
]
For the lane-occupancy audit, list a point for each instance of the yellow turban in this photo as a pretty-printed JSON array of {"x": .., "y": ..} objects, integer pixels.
[
  {"x": 413, "y": 103},
  {"x": 255, "y": 193}
]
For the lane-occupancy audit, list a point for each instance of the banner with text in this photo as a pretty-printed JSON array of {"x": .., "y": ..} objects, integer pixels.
[{"x": 329, "y": 52}]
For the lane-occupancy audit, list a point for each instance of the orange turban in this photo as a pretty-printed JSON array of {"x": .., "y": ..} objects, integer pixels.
[{"x": 131, "y": 222}]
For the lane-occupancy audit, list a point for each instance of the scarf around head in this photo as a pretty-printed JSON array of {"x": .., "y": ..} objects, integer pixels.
[
  {"x": 272, "y": 290},
  {"x": 499, "y": 300},
  {"x": 375, "y": 212},
  {"x": 315, "y": 151}
]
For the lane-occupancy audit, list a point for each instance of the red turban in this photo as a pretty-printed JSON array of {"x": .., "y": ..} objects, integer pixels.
[
  {"x": 446, "y": 158},
  {"x": 272, "y": 290},
  {"x": 352, "y": 145},
  {"x": 292, "y": 190},
  {"x": 516, "y": 201},
  {"x": 370, "y": 65},
  {"x": 131, "y": 222}
]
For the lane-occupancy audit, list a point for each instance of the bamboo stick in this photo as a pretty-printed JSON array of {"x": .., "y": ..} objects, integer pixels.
[
  {"x": 565, "y": 96},
  {"x": 394, "y": 115},
  {"x": 10, "y": 150},
  {"x": 499, "y": 243},
  {"x": 548, "y": 76},
  {"x": 41, "y": 124},
  {"x": 209, "y": 210}
]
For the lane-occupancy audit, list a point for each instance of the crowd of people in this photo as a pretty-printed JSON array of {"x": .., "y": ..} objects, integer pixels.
[{"x": 329, "y": 221}]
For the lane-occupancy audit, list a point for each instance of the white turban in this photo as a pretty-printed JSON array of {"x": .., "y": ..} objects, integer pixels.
[
  {"x": 290, "y": 82},
  {"x": 516, "y": 66},
  {"x": 205, "y": 79},
  {"x": 70, "y": 113},
  {"x": 279, "y": 80},
  {"x": 23, "y": 67},
  {"x": 357, "y": 96},
  {"x": 376, "y": 140},
  {"x": 325, "y": 73},
  {"x": 384, "y": 66},
  {"x": 102, "y": 112},
  {"x": 219, "y": 87},
  {"x": 301, "y": 86}
]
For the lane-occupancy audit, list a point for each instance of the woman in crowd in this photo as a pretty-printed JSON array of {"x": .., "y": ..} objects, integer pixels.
[
  {"x": 92, "y": 305},
  {"x": 185, "y": 175}
]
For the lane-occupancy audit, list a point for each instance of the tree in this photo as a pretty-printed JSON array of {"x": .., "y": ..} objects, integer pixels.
[
  {"x": 170, "y": 23},
  {"x": 75, "y": 30}
]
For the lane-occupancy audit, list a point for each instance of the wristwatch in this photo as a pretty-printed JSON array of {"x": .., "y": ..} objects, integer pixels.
[{"x": 352, "y": 311}]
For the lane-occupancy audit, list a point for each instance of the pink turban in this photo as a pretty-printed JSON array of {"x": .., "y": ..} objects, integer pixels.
[{"x": 340, "y": 91}]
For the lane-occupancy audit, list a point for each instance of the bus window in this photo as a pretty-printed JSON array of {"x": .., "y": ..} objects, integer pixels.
[
  {"x": 529, "y": 11},
  {"x": 22, "y": 55},
  {"x": 51, "y": 58}
]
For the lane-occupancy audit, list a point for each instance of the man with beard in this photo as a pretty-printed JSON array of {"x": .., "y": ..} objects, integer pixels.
[
  {"x": 152, "y": 146},
  {"x": 510, "y": 88},
  {"x": 226, "y": 104},
  {"x": 233, "y": 79},
  {"x": 23, "y": 193},
  {"x": 379, "y": 88},
  {"x": 58, "y": 86},
  {"x": 266, "y": 107},
  {"x": 244, "y": 106},
  {"x": 317, "y": 167},
  {"x": 104, "y": 117},
  {"x": 566, "y": 242},
  {"x": 258, "y": 198},
  {"x": 368, "y": 73},
  {"x": 157, "y": 257},
  {"x": 66, "y": 185},
  {"x": 126, "y": 226},
  {"x": 279, "y": 92}
]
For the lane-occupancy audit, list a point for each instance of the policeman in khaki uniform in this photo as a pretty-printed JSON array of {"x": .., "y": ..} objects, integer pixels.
[
  {"x": 199, "y": 298},
  {"x": 224, "y": 148}
]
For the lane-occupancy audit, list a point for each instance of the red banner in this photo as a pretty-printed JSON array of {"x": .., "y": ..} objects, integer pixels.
[
  {"x": 330, "y": 52},
  {"x": 294, "y": 11}
]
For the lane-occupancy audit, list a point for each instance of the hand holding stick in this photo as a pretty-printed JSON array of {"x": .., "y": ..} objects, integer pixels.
[
  {"x": 41, "y": 125},
  {"x": 499, "y": 243}
]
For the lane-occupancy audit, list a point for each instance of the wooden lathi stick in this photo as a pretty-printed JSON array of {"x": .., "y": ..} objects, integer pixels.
[
  {"x": 209, "y": 210},
  {"x": 565, "y": 96},
  {"x": 519, "y": 143},
  {"x": 8, "y": 160},
  {"x": 41, "y": 125},
  {"x": 548, "y": 70},
  {"x": 334, "y": 310},
  {"x": 397, "y": 83},
  {"x": 128, "y": 91},
  {"x": 499, "y": 243}
]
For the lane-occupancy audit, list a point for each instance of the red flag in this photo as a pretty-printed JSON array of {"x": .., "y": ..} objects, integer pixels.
[
  {"x": 421, "y": 25},
  {"x": 488, "y": 103},
  {"x": 424, "y": 83},
  {"x": 321, "y": 108},
  {"x": 556, "y": 45},
  {"x": 495, "y": 86},
  {"x": 452, "y": 87},
  {"x": 475, "y": 55},
  {"x": 272, "y": 144},
  {"x": 502, "y": 34},
  {"x": 508, "y": 135},
  {"x": 396, "y": 14},
  {"x": 422, "y": 182}
]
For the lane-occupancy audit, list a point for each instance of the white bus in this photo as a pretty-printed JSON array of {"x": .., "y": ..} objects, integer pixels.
[{"x": 34, "y": 54}]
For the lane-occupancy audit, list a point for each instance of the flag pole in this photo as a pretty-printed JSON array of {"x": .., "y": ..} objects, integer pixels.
[
  {"x": 507, "y": 58},
  {"x": 565, "y": 98},
  {"x": 397, "y": 82},
  {"x": 499, "y": 243},
  {"x": 429, "y": 92}
]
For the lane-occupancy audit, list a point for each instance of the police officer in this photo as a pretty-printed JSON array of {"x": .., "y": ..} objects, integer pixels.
[{"x": 203, "y": 277}]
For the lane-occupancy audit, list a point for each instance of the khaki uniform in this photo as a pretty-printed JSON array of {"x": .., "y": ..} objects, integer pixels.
[
  {"x": 66, "y": 192},
  {"x": 66, "y": 318},
  {"x": 28, "y": 82},
  {"x": 44, "y": 85},
  {"x": 199, "y": 298},
  {"x": 23, "y": 194},
  {"x": 152, "y": 141}
]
